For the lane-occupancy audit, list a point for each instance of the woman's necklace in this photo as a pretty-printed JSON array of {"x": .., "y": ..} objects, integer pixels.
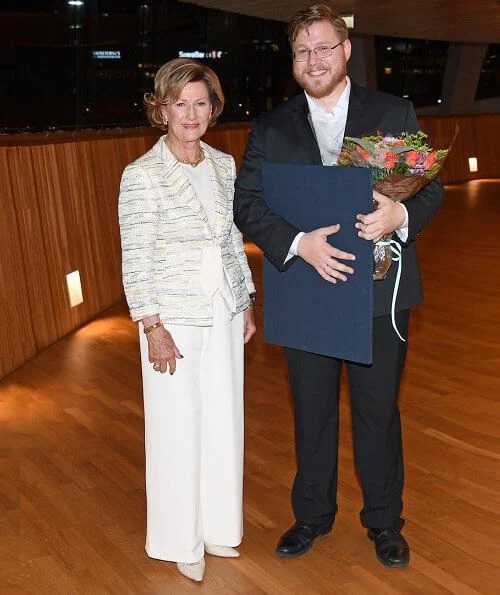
[{"x": 194, "y": 163}]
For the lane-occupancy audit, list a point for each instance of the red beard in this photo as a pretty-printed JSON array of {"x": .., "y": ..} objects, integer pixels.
[{"x": 324, "y": 87}]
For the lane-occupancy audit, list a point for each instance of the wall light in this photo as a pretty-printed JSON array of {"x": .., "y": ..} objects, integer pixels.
[
  {"x": 472, "y": 164},
  {"x": 74, "y": 288},
  {"x": 76, "y": 2}
]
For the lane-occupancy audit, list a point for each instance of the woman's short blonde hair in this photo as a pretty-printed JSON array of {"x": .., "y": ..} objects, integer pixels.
[
  {"x": 314, "y": 14},
  {"x": 171, "y": 79}
]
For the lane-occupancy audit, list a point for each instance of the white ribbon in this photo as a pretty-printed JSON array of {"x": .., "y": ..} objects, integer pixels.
[{"x": 397, "y": 256}]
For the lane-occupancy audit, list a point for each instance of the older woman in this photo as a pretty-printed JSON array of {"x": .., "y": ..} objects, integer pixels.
[{"x": 188, "y": 283}]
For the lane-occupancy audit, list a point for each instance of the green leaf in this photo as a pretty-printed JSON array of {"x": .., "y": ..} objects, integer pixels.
[
  {"x": 401, "y": 149},
  {"x": 367, "y": 146}
]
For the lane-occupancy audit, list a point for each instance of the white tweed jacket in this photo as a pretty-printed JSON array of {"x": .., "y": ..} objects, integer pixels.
[{"x": 164, "y": 233}]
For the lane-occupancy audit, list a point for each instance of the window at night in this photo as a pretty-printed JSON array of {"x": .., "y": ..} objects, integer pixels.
[
  {"x": 67, "y": 63},
  {"x": 88, "y": 63},
  {"x": 489, "y": 81},
  {"x": 411, "y": 68}
]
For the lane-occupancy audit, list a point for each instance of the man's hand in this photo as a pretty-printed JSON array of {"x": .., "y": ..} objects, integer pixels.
[
  {"x": 388, "y": 217},
  {"x": 314, "y": 248}
]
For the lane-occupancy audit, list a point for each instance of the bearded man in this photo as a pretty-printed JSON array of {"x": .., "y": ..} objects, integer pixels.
[{"x": 309, "y": 129}]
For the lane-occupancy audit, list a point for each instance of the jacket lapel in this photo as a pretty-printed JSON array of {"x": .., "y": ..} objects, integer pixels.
[
  {"x": 300, "y": 113},
  {"x": 176, "y": 181},
  {"x": 357, "y": 123},
  {"x": 220, "y": 176}
]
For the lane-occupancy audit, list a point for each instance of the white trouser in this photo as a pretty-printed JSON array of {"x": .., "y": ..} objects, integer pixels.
[{"x": 194, "y": 440}]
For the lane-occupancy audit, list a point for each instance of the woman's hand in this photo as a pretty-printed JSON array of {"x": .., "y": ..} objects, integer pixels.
[
  {"x": 162, "y": 350},
  {"x": 249, "y": 327}
]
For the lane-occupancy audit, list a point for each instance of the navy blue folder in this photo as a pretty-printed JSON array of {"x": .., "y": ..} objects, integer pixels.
[{"x": 301, "y": 309}]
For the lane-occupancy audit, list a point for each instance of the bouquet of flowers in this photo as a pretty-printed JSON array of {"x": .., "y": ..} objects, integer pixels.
[{"x": 401, "y": 165}]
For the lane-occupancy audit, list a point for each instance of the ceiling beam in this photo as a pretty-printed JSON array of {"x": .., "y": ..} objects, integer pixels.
[
  {"x": 463, "y": 21},
  {"x": 467, "y": 21},
  {"x": 276, "y": 10}
]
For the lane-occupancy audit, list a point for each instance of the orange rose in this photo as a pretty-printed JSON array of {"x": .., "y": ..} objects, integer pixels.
[
  {"x": 430, "y": 160},
  {"x": 390, "y": 159},
  {"x": 362, "y": 154},
  {"x": 411, "y": 158},
  {"x": 399, "y": 143}
]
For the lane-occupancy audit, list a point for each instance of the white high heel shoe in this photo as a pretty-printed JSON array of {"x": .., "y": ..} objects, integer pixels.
[
  {"x": 223, "y": 551},
  {"x": 193, "y": 570}
]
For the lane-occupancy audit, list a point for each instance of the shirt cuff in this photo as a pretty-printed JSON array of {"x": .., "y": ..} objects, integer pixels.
[
  {"x": 293, "y": 248},
  {"x": 403, "y": 230}
]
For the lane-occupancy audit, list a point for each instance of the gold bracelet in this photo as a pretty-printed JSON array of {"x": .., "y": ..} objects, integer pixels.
[{"x": 148, "y": 329}]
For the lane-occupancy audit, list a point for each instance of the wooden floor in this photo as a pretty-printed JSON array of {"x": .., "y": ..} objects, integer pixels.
[{"x": 72, "y": 504}]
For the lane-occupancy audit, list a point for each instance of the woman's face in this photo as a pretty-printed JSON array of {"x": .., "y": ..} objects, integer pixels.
[{"x": 189, "y": 116}]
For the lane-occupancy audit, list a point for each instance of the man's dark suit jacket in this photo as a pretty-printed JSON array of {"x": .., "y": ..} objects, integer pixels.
[{"x": 284, "y": 135}]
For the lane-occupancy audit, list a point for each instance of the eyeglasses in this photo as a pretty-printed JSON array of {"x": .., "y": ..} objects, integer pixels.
[{"x": 323, "y": 51}]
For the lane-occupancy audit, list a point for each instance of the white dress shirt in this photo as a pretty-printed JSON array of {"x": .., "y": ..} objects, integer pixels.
[{"x": 329, "y": 129}]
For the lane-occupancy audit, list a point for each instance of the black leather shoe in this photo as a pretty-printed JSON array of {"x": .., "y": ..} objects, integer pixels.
[
  {"x": 390, "y": 546},
  {"x": 299, "y": 539}
]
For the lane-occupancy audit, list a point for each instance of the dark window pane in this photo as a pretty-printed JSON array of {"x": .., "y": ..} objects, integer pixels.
[
  {"x": 411, "y": 68},
  {"x": 90, "y": 62},
  {"x": 489, "y": 81}
]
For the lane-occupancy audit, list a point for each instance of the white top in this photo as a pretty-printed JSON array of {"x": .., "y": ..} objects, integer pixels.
[
  {"x": 213, "y": 274},
  {"x": 199, "y": 177}
]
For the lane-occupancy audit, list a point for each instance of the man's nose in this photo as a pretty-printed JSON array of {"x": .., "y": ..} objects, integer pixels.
[{"x": 312, "y": 58}]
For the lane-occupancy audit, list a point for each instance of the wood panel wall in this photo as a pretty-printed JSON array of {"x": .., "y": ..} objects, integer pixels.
[
  {"x": 59, "y": 213},
  {"x": 477, "y": 137}
]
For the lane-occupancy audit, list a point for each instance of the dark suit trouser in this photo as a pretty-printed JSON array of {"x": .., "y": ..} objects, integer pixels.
[{"x": 376, "y": 427}]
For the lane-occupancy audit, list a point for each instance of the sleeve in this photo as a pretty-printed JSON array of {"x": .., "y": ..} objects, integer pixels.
[
  {"x": 239, "y": 248},
  {"x": 403, "y": 230},
  {"x": 422, "y": 206},
  {"x": 138, "y": 218},
  {"x": 273, "y": 234}
]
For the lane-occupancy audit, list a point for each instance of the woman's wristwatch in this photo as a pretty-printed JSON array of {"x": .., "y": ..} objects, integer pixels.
[{"x": 252, "y": 299}]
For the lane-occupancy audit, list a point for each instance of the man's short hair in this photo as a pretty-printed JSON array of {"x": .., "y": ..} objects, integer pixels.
[{"x": 315, "y": 14}]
